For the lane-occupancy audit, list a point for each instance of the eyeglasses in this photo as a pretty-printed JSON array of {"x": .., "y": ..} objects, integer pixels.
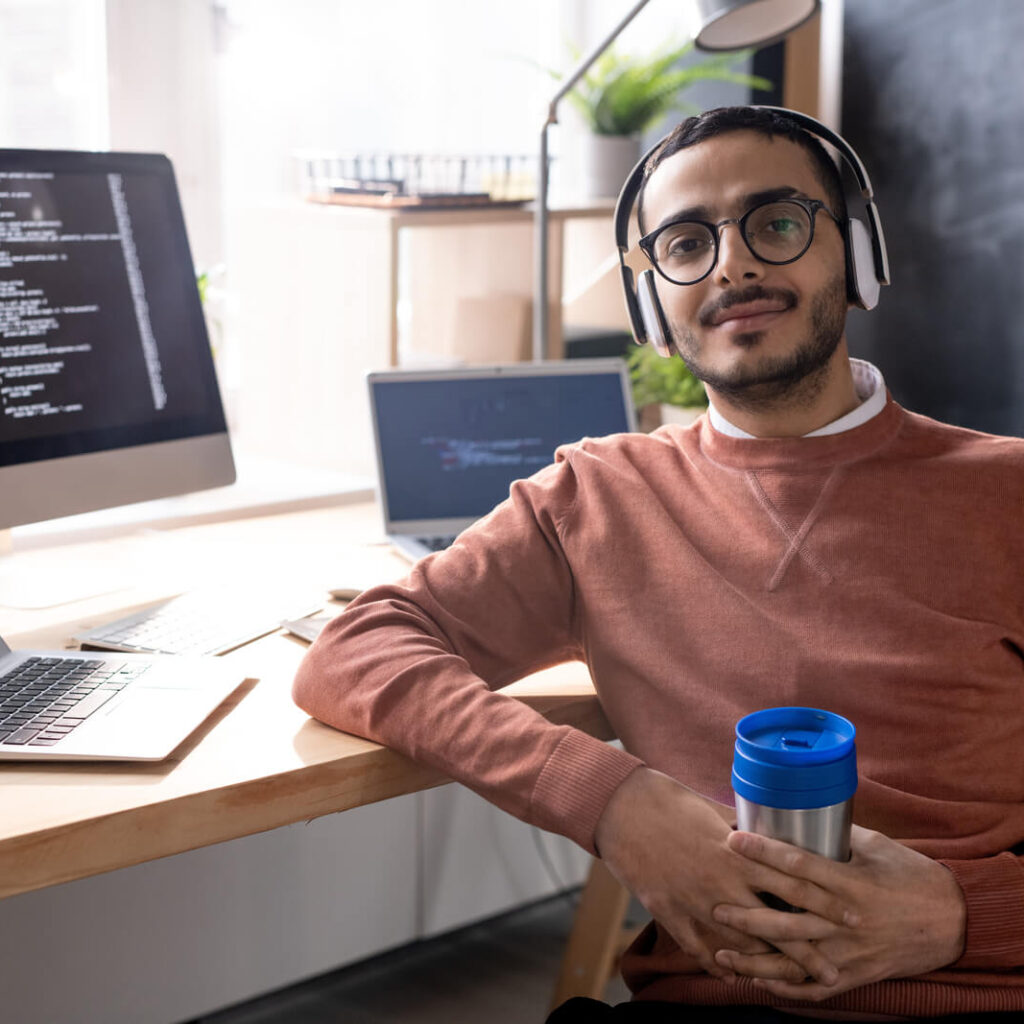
[{"x": 779, "y": 231}]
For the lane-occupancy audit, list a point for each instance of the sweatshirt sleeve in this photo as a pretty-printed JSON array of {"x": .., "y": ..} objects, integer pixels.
[
  {"x": 993, "y": 888},
  {"x": 417, "y": 665}
]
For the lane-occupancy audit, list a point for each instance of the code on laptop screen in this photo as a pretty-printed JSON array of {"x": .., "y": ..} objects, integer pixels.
[{"x": 451, "y": 448}]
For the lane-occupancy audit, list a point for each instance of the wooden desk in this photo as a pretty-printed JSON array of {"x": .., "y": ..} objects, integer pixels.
[{"x": 259, "y": 762}]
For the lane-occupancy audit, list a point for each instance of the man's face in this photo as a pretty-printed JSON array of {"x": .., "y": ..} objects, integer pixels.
[{"x": 752, "y": 331}]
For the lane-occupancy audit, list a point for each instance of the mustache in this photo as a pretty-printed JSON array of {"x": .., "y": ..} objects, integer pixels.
[{"x": 752, "y": 293}]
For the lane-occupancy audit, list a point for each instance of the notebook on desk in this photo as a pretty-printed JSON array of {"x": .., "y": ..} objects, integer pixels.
[
  {"x": 449, "y": 443},
  {"x": 77, "y": 706}
]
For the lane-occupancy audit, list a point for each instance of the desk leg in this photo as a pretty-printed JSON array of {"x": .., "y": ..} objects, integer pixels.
[
  {"x": 596, "y": 938},
  {"x": 802, "y": 56},
  {"x": 392, "y": 292},
  {"x": 556, "y": 272}
]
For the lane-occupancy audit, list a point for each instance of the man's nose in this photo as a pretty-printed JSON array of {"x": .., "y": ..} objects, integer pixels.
[{"x": 735, "y": 260}]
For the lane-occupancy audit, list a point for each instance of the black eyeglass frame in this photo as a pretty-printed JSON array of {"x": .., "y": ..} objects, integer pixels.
[{"x": 809, "y": 206}]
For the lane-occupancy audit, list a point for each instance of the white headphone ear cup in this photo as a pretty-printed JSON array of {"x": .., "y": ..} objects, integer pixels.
[
  {"x": 864, "y": 283},
  {"x": 655, "y": 327}
]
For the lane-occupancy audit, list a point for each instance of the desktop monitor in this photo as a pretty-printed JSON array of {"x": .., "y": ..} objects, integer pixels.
[{"x": 108, "y": 393}]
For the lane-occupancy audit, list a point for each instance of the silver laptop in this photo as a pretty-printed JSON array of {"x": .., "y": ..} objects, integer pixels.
[
  {"x": 450, "y": 442},
  {"x": 84, "y": 705}
]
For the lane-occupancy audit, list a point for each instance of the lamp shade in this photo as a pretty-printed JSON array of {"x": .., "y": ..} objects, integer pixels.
[{"x": 738, "y": 24}]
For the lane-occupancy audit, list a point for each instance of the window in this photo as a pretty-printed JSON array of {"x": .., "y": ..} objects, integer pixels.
[{"x": 53, "y": 77}]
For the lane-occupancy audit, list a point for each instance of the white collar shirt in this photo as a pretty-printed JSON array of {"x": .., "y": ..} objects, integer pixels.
[{"x": 870, "y": 388}]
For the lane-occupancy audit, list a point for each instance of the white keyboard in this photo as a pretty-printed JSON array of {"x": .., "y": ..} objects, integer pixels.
[{"x": 200, "y": 622}]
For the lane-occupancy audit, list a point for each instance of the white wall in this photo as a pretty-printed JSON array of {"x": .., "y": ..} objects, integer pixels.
[
  {"x": 163, "y": 98},
  {"x": 177, "y": 938},
  {"x": 52, "y": 74}
]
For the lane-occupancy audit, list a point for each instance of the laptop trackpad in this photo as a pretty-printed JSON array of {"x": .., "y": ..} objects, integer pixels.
[{"x": 147, "y": 722}]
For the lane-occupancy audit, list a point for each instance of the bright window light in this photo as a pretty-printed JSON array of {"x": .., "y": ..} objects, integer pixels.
[{"x": 53, "y": 77}]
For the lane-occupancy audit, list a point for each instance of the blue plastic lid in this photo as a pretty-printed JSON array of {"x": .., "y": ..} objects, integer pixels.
[{"x": 795, "y": 758}]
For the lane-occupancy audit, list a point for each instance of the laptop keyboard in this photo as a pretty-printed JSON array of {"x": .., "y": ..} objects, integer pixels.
[
  {"x": 44, "y": 699},
  {"x": 198, "y": 623},
  {"x": 437, "y": 543}
]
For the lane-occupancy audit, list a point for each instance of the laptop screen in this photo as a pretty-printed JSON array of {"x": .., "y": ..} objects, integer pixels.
[{"x": 450, "y": 443}]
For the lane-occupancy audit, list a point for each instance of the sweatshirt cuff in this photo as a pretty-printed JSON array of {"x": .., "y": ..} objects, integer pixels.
[
  {"x": 993, "y": 888},
  {"x": 575, "y": 785}
]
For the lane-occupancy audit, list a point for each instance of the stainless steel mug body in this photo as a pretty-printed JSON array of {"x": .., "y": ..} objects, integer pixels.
[{"x": 822, "y": 830}]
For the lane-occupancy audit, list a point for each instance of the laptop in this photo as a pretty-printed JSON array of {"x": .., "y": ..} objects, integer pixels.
[
  {"x": 79, "y": 706},
  {"x": 450, "y": 442}
]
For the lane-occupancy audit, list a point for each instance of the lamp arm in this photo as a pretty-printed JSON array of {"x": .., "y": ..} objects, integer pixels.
[
  {"x": 540, "y": 291},
  {"x": 584, "y": 65}
]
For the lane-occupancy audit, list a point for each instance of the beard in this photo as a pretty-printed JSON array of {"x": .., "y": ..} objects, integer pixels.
[{"x": 790, "y": 380}]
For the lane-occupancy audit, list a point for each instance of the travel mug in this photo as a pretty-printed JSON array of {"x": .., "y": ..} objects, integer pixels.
[{"x": 794, "y": 774}]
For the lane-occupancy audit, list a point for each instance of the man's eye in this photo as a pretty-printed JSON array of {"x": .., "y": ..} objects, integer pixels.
[
  {"x": 684, "y": 245},
  {"x": 783, "y": 226}
]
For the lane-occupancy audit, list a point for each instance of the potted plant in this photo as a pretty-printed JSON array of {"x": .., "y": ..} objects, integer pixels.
[
  {"x": 664, "y": 390},
  {"x": 622, "y": 96}
]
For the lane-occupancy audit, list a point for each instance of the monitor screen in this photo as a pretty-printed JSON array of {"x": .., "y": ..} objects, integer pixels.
[
  {"x": 451, "y": 443},
  {"x": 108, "y": 393}
]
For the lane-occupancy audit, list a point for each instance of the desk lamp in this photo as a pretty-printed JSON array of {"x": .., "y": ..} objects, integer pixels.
[{"x": 720, "y": 25}]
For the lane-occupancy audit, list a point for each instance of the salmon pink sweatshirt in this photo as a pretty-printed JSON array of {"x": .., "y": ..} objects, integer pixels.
[{"x": 877, "y": 572}]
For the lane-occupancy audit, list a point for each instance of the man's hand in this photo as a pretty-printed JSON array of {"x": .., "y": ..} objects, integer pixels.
[
  {"x": 908, "y": 914},
  {"x": 668, "y": 846}
]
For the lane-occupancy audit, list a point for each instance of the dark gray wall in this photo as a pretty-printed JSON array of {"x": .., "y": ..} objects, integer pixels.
[{"x": 933, "y": 101}]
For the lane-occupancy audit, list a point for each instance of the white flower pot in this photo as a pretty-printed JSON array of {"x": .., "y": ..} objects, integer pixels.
[
  {"x": 607, "y": 161},
  {"x": 680, "y": 415}
]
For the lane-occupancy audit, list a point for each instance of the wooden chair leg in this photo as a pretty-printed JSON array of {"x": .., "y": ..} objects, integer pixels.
[{"x": 596, "y": 937}]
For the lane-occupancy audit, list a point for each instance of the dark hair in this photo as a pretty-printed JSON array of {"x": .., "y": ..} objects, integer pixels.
[{"x": 769, "y": 123}]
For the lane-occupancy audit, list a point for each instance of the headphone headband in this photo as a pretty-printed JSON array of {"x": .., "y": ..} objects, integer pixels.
[{"x": 823, "y": 132}]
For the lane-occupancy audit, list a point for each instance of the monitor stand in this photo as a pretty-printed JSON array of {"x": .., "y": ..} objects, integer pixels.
[{"x": 47, "y": 577}]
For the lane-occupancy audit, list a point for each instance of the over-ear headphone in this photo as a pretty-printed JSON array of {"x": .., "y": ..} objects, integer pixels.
[{"x": 867, "y": 262}]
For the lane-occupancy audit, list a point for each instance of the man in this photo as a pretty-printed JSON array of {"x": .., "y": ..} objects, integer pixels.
[{"x": 808, "y": 542}]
